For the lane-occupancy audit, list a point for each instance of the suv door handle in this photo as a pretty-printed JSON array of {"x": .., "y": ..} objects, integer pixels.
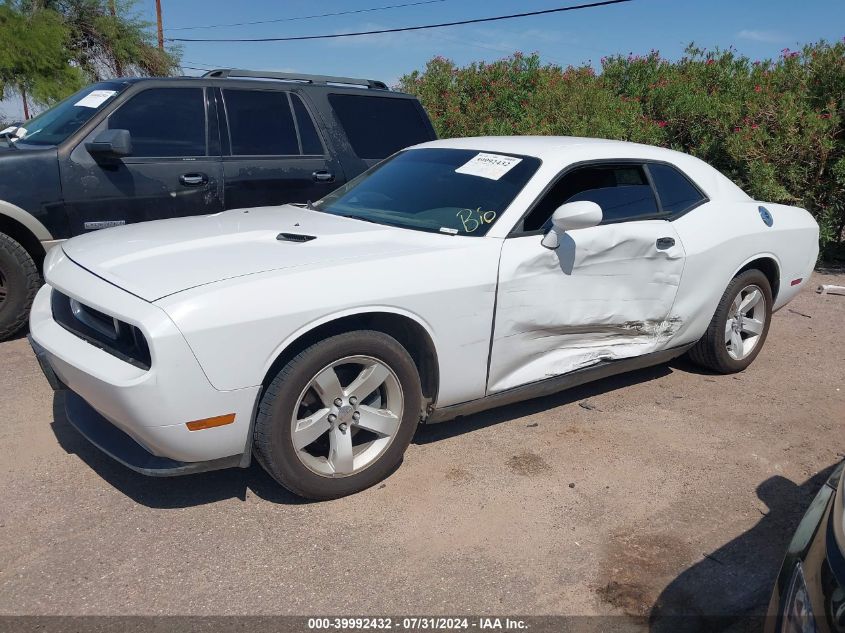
[
  {"x": 323, "y": 176},
  {"x": 193, "y": 180},
  {"x": 665, "y": 242}
]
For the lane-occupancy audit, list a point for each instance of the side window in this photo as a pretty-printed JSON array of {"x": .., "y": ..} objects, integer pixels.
[
  {"x": 380, "y": 126},
  {"x": 164, "y": 122},
  {"x": 677, "y": 193},
  {"x": 311, "y": 145},
  {"x": 260, "y": 123},
  {"x": 622, "y": 192}
]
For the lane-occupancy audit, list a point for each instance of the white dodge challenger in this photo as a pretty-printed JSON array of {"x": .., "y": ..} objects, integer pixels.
[{"x": 455, "y": 276}]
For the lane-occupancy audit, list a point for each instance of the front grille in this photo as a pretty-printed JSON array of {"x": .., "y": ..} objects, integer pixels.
[{"x": 121, "y": 340}]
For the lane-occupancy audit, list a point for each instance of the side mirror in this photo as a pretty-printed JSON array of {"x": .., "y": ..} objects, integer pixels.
[
  {"x": 110, "y": 144},
  {"x": 571, "y": 216}
]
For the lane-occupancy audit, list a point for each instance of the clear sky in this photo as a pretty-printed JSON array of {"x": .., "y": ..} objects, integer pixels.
[{"x": 757, "y": 28}]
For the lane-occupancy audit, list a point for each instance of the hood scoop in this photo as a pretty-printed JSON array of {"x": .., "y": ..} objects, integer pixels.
[{"x": 298, "y": 238}]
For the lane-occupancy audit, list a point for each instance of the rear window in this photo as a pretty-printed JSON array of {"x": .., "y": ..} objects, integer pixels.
[
  {"x": 311, "y": 144},
  {"x": 677, "y": 194},
  {"x": 380, "y": 126},
  {"x": 260, "y": 123}
]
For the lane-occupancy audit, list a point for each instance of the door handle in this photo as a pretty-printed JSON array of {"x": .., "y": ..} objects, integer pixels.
[
  {"x": 193, "y": 180},
  {"x": 665, "y": 242},
  {"x": 323, "y": 176}
]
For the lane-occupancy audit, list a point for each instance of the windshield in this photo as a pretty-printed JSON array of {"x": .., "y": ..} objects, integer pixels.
[
  {"x": 54, "y": 125},
  {"x": 453, "y": 191}
]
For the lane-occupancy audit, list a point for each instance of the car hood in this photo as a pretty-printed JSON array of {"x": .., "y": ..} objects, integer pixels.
[{"x": 155, "y": 259}]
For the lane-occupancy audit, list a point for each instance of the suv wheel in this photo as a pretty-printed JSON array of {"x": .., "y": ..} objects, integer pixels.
[
  {"x": 19, "y": 281},
  {"x": 338, "y": 417}
]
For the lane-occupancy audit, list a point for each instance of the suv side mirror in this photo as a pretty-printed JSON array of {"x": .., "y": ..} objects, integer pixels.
[
  {"x": 110, "y": 144},
  {"x": 571, "y": 216}
]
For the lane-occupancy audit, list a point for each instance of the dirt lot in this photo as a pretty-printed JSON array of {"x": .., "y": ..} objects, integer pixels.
[{"x": 665, "y": 487}]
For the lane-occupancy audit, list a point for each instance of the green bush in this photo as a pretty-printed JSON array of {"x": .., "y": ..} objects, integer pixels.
[{"x": 775, "y": 126}]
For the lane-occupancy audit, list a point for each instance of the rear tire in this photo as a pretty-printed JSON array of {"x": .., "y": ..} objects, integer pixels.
[
  {"x": 739, "y": 327},
  {"x": 338, "y": 417},
  {"x": 19, "y": 281}
]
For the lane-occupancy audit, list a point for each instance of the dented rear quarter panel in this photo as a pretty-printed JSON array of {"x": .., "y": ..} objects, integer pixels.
[{"x": 721, "y": 238}]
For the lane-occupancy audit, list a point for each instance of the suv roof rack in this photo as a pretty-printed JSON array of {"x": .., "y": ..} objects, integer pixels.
[{"x": 223, "y": 73}]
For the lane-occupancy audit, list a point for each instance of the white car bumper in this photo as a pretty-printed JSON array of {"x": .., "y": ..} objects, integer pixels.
[{"x": 135, "y": 414}]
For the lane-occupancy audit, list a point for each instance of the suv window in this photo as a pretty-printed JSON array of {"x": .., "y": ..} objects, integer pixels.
[
  {"x": 380, "y": 126},
  {"x": 622, "y": 192},
  {"x": 260, "y": 123},
  {"x": 164, "y": 122},
  {"x": 677, "y": 193},
  {"x": 308, "y": 136}
]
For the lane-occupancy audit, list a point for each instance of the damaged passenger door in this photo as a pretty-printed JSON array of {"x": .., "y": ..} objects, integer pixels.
[{"x": 604, "y": 293}]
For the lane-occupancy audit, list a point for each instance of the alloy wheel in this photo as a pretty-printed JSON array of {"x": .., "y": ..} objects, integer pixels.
[
  {"x": 347, "y": 416},
  {"x": 746, "y": 322}
]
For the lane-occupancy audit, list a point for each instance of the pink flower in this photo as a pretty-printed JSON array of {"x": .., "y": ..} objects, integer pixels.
[
  {"x": 661, "y": 124},
  {"x": 710, "y": 62},
  {"x": 758, "y": 89},
  {"x": 754, "y": 126},
  {"x": 737, "y": 129}
]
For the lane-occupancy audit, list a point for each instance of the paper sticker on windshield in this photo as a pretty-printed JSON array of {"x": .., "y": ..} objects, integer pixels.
[
  {"x": 95, "y": 98},
  {"x": 492, "y": 166}
]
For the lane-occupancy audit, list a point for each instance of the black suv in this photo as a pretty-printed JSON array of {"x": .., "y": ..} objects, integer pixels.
[{"x": 130, "y": 150}]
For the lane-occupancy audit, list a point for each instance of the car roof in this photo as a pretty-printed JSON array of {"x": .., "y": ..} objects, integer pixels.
[{"x": 559, "y": 152}]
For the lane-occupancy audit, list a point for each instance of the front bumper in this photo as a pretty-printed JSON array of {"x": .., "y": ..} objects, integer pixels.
[
  {"x": 114, "y": 442},
  {"x": 147, "y": 408},
  {"x": 814, "y": 567},
  {"x": 119, "y": 446}
]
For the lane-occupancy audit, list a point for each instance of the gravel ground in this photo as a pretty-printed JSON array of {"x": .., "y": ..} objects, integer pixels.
[{"x": 666, "y": 490}]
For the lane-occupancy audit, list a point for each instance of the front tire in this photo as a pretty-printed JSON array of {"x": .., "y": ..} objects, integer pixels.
[
  {"x": 19, "y": 281},
  {"x": 739, "y": 327},
  {"x": 338, "y": 417}
]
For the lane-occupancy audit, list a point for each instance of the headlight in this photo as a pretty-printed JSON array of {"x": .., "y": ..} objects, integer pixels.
[
  {"x": 798, "y": 613},
  {"x": 113, "y": 336}
]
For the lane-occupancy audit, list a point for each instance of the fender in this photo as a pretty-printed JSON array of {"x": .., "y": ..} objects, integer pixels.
[
  {"x": 334, "y": 316},
  {"x": 27, "y": 220},
  {"x": 360, "y": 310},
  {"x": 695, "y": 333},
  {"x": 766, "y": 255}
]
